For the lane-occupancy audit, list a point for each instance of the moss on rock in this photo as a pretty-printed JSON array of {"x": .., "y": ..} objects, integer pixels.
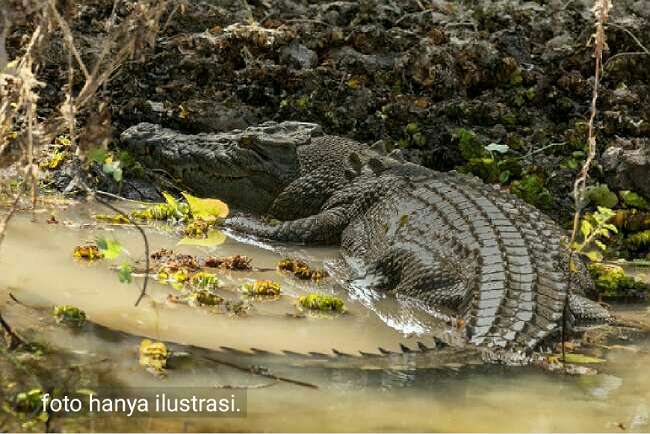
[{"x": 532, "y": 190}]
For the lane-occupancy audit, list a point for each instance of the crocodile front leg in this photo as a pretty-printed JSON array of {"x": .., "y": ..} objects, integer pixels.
[{"x": 322, "y": 228}]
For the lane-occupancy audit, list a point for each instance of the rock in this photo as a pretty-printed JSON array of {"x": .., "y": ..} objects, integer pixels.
[
  {"x": 298, "y": 56},
  {"x": 627, "y": 167}
]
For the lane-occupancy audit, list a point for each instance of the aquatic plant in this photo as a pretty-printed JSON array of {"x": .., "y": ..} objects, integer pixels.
[
  {"x": 69, "y": 315},
  {"x": 322, "y": 302},
  {"x": 204, "y": 297},
  {"x": 116, "y": 219},
  {"x": 262, "y": 288},
  {"x": 88, "y": 252},
  {"x": 153, "y": 356},
  {"x": 236, "y": 262},
  {"x": 204, "y": 280},
  {"x": 300, "y": 269}
]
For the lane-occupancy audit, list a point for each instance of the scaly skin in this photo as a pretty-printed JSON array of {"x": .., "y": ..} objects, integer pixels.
[{"x": 447, "y": 239}]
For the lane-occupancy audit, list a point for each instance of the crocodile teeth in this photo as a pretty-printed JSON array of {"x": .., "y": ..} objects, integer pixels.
[
  {"x": 293, "y": 354},
  {"x": 405, "y": 349},
  {"x": 319, "y": 355},
  {"x": 235, "y": 351},
  {"x": 340, "y": 354},
  {"x": 364, "y": 354},
  {"x": 423, "y": 347}
]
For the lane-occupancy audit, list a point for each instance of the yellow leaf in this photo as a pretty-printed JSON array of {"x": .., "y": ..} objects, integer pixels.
[
  {"x": 206, "y": 209},
  {"x": 595, "y": 256},
  {"x": 214, "y": 238},
  {"x": 170, "y": 200}
]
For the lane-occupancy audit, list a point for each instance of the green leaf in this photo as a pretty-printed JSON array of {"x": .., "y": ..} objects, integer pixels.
[
  {"x": 497, "y": 147},
  {"x": 206, "y": 209},
  {"x": 603, "y": 232},
  {"x": 606, "y": 213},
  {"x": 214, "y": 238},
  {"x": 600, "y": 244},
  {"x": 170, "y": 200},
  {"x": 595, "y": 255},
  {"x": 108, "y": 168},
  {"x": 125, "y": 273},
  {"x": 601, "y": 195},
  {"x": 611, "y": 227},
  {"x": 111, "y": 249},
  {"x": 117, "y": 174},
  {"x": 504, "y": 176},
  {"x": 585, "y": 228},
  {"x": 98, "y": 155}
]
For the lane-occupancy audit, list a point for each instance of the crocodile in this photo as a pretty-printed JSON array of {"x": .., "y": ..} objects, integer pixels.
[{"x": 474, "y": 253}]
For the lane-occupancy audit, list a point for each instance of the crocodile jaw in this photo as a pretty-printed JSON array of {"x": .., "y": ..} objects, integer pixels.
[{"x": 246, "y": 168}]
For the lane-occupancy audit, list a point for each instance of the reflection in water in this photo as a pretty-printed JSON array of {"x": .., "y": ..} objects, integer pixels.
[{"x": 37, "y": 266}]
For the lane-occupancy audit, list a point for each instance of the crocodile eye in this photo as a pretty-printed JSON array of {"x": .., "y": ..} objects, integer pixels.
[{"x": 249, "y": 142}]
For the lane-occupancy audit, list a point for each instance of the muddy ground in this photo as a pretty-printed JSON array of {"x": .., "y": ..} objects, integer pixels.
[{"x": 438, "y": 79}]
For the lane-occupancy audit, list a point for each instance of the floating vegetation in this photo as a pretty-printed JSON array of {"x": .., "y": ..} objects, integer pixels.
[
  {"x": 109, "y": 249},
  {"x": 169, "y": 210},
  {"x": 204, "y": 280},
  {"x": 581, "y": 359},
  {"x": 160, "y": 211},
  {"x": 167, "y": 261},
  {"x": 162, "y": 253},
  {"x": 176, "y": 275},
  {"x": 238, "y": 308},
  {"x": 212, "y": 238},
  {"x": 198, "y": 297},
  {"x": 153, "y": 356},
  {"x": 300, "y": 269},
  {"x": 204, "y": 297},
  {"x": 89, "y": 252},
  {"x": 198, "y": 228},
  {"x": 322, "y": 303},
  {"x": 237, "y": 262},
  {"x": 116, "y": 219},
  {"x": 262, "y": 288},
  {"x": 69, "y": 315}
]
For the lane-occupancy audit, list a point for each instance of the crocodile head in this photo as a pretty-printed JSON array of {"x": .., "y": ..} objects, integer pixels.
[{"x": 245, "y": 168}]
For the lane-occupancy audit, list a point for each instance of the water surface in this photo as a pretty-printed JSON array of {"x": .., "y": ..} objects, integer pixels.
[{"x": 39, "y": 269}]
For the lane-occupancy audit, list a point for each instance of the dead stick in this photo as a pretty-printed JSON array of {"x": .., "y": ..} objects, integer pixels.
[
  {"x": 143, "y": 292},
  {"x": 255, "y": 371},
  {"x": 11, "y": 333}
]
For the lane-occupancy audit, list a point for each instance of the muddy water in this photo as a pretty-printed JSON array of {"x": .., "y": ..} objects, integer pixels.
[{"x": 38, "y": 268}]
